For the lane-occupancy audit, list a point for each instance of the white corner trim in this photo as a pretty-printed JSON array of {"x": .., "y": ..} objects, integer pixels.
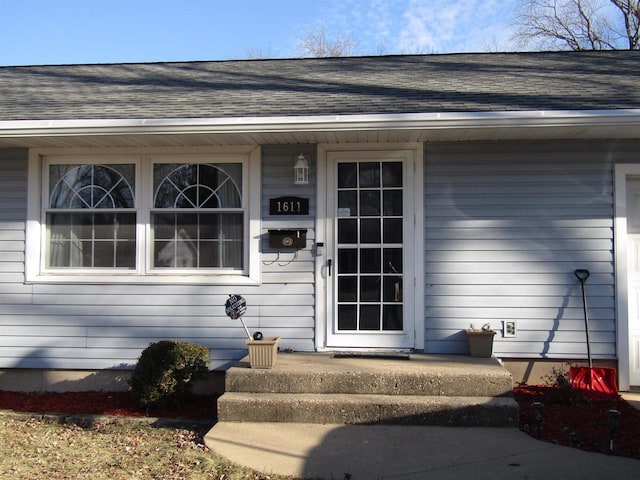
[
  {"x": 320, "y": 123},
  {"x": 622, "y": 171}
]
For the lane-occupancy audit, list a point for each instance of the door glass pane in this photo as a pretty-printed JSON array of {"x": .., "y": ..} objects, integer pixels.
[
  {"x": 347, "y": 231},
  {"x": 392, "y": 174},
  {"x": 369, "y": 317},
  {"x": 370, "y": 288},
  {"x": 392, "y": 289},
  {"x": 392, "y": 317},
  {"x": 369, "y": 251},
  {"x": 392, "y": 202},
  {"x": 392, "y": 230},
  {"x": 348, "y": 199},
  {"x": 347, "y": 175},
  {"x": 348, "y": 260},
  {"x": 392, "y": 260},
  {"x": 348, "y": 289},
  {"x": 369, "y": 203},
  {"x": 347, "y": 317},
  {"x": 633, "y": 205},
  {"x": 370, "y": 261},
  {"x": 369, "y": 175},
  {"x": 370, "y": 230}
]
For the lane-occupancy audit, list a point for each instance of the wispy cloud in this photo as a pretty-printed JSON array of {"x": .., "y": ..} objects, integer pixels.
[
  {"x": 422, "y": 26},
  {"x": 454, "y": 25}
]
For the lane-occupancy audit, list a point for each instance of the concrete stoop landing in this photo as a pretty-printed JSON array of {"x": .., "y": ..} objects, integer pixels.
[{"x": 443, "y": 390}]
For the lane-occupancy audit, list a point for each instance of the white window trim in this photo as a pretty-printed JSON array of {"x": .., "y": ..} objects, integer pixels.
[{"x": 36, "y": 228}]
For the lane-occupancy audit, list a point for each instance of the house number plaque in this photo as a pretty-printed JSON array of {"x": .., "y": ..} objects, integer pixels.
[{"x": 289, "y": 206}]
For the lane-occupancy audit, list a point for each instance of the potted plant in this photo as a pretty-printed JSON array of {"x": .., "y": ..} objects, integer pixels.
[
  {"x": 262, "y": 350},
  {"x": 480, "y": 340}
]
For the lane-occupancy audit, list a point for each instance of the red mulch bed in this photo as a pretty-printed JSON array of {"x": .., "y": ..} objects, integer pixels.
[
  {"x": 579, "y": 419},
  {"x": 195, "y": 407}
]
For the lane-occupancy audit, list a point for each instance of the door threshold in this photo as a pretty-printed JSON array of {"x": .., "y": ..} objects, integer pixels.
[{"x": 373, "y": 355}]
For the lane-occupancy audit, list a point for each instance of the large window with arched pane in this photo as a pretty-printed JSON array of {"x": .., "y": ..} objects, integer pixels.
[
  {"x": 91, "y": 216},
  {"x": 197, "y": 218},
  {"x": 151, "y": 216}
]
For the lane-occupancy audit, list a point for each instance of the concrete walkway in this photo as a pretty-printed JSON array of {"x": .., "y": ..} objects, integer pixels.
[{"x": 376, "y": 452}]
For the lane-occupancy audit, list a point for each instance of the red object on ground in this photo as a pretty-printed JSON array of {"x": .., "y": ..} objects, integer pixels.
[{"x": 594, "y": 379}]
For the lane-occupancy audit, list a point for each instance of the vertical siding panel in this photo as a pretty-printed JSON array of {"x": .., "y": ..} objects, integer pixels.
[{"x": 506, "y": 225}]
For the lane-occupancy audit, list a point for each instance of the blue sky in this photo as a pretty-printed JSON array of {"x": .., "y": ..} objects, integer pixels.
[{"x": 105, "y": 31}]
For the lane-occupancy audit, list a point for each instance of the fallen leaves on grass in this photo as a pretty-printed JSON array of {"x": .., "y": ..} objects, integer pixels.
[{"x": 43, "y": 448}]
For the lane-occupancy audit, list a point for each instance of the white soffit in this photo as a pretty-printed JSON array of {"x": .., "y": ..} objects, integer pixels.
[{"x": 465, "y": 126}]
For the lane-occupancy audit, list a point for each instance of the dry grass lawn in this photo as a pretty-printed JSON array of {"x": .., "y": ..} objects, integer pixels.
[{"x": 45, "y": 448}]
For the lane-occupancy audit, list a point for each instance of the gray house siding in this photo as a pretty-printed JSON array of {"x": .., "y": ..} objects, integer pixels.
[
  {"x": 84, "y": 326},
  {"x": 506, "y": 225}
]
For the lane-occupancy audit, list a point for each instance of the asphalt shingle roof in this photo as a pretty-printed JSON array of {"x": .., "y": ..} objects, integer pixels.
[{"x": 331, "y": 86}]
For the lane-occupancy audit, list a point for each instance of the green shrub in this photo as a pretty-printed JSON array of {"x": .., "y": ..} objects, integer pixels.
[{"x": 165, "y": 372}]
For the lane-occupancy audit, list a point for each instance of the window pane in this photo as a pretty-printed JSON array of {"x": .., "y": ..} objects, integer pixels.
[
  {"x": 198, "y": 240},
  {"x": 199, "y": 185},
  {"x": 126, "y": 254},
  {"x": 187, "y": 227},
  {"x": 92, "y": 186},
  {"x": 91, "y": 240}
]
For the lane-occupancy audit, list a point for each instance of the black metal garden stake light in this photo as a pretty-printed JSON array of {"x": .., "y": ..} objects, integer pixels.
[
  {"x": 614, "y": 426},
  {"x": 537, "y": 409}
]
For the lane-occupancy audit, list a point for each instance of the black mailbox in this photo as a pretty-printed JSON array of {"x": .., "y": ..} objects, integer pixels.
[{"x": 294, "y": 239}]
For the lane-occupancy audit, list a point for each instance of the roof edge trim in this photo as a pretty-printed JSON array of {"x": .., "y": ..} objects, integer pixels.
[{"x": 323, "y": 123}]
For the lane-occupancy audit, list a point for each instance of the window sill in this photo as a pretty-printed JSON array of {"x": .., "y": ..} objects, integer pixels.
[{"x": 188, "y": 279}]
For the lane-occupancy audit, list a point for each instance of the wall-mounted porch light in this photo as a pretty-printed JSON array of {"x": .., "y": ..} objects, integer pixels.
[{"x": 301, "y": 171}]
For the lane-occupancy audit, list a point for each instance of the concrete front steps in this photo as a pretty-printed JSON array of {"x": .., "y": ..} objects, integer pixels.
[{"x": 443, "y": 390}]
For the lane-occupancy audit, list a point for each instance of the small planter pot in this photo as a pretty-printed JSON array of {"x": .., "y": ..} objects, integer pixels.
[
  {"x": 263, "y": 353},
  {"x": 480, "y": 342}
]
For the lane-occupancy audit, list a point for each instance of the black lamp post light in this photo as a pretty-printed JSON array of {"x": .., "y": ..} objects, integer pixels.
[
  {"x": 537, "y": 409},
  {"x": 614, "y": 425}
]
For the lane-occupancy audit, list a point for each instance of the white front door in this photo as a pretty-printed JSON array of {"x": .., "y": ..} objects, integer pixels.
[
  {"x": 370, "y": 244},
  {"x": 633, "y": 282}
]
